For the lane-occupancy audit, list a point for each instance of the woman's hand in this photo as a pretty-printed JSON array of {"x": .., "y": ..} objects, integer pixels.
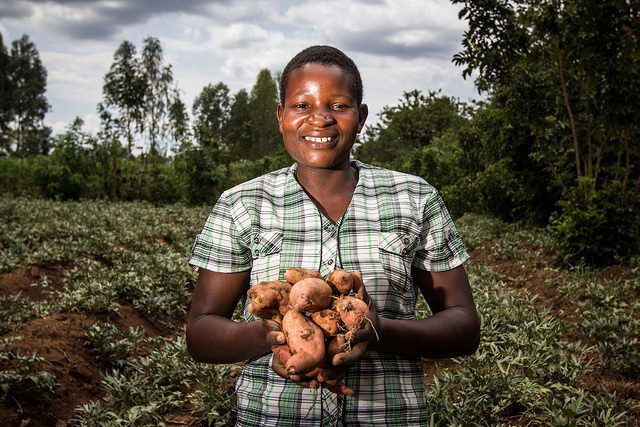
[{"x": 281, "y": 353}]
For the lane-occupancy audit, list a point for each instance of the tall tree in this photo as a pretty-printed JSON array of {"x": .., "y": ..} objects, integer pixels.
[
  {"x": 238, "y": 127},
  {"x": 158, "y": 79},
  {"x": 24, "y": 104},
  {"x": 138, "y": 94},
  {"x": 179, "y": 121},
  {"x": 5, "y": 91},
  {"x": 263, "y": 103},
  {"x": 211, "y": 110},
  {"x": 124, "y": 91}
]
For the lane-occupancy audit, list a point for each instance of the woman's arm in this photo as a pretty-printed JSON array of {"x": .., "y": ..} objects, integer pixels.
[
  {"x": 212, "y": 336},
  {"x": 452, "y": 330}
]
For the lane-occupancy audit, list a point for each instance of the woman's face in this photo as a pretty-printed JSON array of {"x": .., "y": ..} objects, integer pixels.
[{"x": 320, "y": 117}]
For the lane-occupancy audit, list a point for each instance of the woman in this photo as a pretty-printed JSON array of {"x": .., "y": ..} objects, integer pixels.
[{"x": 327, "y": 212}]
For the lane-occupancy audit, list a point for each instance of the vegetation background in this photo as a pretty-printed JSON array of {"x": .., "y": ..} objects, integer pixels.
[{"x": 542, "y": 177}]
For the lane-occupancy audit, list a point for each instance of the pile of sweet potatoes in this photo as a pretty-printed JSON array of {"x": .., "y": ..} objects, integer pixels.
[{"x": 318, "y": 318}]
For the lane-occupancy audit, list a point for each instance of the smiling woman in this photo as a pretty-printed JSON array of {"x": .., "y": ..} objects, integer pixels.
[
  {"x": 327, "y": 213},
  {"x": 320, "y": 117}
]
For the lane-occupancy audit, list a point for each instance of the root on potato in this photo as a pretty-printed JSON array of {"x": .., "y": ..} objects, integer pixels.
[{"x": 353, "y": 311}]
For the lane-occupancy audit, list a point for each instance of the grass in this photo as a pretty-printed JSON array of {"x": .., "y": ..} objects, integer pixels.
[{"x": 537, "y": 363}]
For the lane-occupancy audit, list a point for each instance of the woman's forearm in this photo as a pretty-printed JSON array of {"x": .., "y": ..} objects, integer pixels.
[
  {"x": 216, "y": 339},
  {"x": 448, "y": 333}
]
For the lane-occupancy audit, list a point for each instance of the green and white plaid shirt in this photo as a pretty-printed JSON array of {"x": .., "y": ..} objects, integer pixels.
[{"x": 394, "y": 221}]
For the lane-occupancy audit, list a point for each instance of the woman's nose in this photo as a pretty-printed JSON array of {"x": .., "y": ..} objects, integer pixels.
[{"x": 321, "y": 118}]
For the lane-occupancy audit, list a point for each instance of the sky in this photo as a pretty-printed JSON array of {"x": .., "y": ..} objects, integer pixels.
[{"x": 398, "y": 45}]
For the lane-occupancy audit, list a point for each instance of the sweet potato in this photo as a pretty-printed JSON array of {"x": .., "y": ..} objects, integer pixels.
[
  {"x": 269, "y": 300},
  {"x": 282, "y": 353},
  {"x": 340, "y": 281},
  {"x": 305, "y": 340},
  {"x": 310, "y": 294},
  {"x": 328, "y": 320},
  {"x": 353, "y": 311},
  {"x": 294, "y": 275}
]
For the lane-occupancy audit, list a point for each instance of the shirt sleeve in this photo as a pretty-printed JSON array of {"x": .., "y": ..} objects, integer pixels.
[
  {"x": 440, "y": 247},
  {"x": 219, "y": 247}
]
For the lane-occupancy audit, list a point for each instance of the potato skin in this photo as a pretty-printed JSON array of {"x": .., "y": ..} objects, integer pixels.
[
  {"x": 282, "y": 353},
  {"x": 269, "y": 300},
  {"x": 305, "y": 340},
  {"x": 328, "y": 320},
  {"x": 296, "y": 274},
  {"x": 310, "y": 294},
  {"x": 341, "y": 281}
]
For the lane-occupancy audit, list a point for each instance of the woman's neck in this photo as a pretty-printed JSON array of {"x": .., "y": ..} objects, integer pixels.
[{"x": 330, "y": 189}]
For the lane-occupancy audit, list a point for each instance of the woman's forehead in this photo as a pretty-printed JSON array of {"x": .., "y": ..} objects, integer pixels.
[{"x": 313, "y": 77}]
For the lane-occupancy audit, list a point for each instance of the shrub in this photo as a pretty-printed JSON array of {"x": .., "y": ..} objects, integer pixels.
[
  {"x": 595, "y": 228},
  {"x": 494, "y": 191}
]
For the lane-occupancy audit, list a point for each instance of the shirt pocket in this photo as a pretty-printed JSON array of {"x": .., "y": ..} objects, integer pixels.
[
  {"x": 265, "y": 251},
  {"x": 396, "y": 252}
]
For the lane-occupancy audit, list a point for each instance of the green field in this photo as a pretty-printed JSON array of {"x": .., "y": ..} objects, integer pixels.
[{"x": 93, "y": 300}]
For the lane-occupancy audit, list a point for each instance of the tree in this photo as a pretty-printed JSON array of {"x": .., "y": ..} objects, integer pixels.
[
  {"x": 408, "y": 126},
  {"x": 263, "y": 102},
  {"x": 158, "y": 98},
  {"x": 138, "y": 95},
  {"x": 238, "y": 126},
  {"x": 179, "y": 121},
  {"x": 5, "y": 93},
  {"x": 565, "y": 75},
  {"x": 211, "y": 110},
  {"x": 24, "y": 105},
  {"x": 562, "y": 68},
  {"x": 124, "y": 92}
]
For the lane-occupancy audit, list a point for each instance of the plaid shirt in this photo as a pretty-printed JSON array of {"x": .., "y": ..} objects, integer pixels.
[{"x": 394, "y": 221}]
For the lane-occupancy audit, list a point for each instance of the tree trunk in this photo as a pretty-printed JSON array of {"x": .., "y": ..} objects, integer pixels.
[
  {"x": 627, "y": 166},
  {"x": 565, "y": 95}
]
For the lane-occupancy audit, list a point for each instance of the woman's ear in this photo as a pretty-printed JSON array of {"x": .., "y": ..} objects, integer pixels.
[
  {"x": 363, "y": 112},
  {"x": 279, "y": 114}
]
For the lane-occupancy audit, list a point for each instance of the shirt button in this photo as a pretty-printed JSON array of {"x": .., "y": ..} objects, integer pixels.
[
  {"x": 256, "y": 240},
  {"x": 405, "y": 240},
  {"x": 330, "y": 262},
  {"x": 256, "y": 253}
]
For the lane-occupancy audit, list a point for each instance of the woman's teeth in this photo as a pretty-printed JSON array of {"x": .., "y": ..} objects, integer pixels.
[{"x": 317, "y": 139}]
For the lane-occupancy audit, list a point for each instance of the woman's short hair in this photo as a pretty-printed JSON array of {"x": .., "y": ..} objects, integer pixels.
[{"x": 325, "y": 55}]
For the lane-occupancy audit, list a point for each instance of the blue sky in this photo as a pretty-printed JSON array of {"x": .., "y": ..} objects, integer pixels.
[{"x": 398, "y": 45}]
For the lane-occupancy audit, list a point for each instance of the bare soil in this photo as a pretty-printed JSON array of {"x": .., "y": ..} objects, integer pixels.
[
  {"x": 59, "y": 339},
  {"x": 543, "y": 283}
]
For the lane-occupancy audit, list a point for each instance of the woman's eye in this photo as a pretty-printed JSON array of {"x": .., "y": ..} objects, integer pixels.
[
  {"x": 299, "y": 105},
  {"x": 338, "y": 107}
]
